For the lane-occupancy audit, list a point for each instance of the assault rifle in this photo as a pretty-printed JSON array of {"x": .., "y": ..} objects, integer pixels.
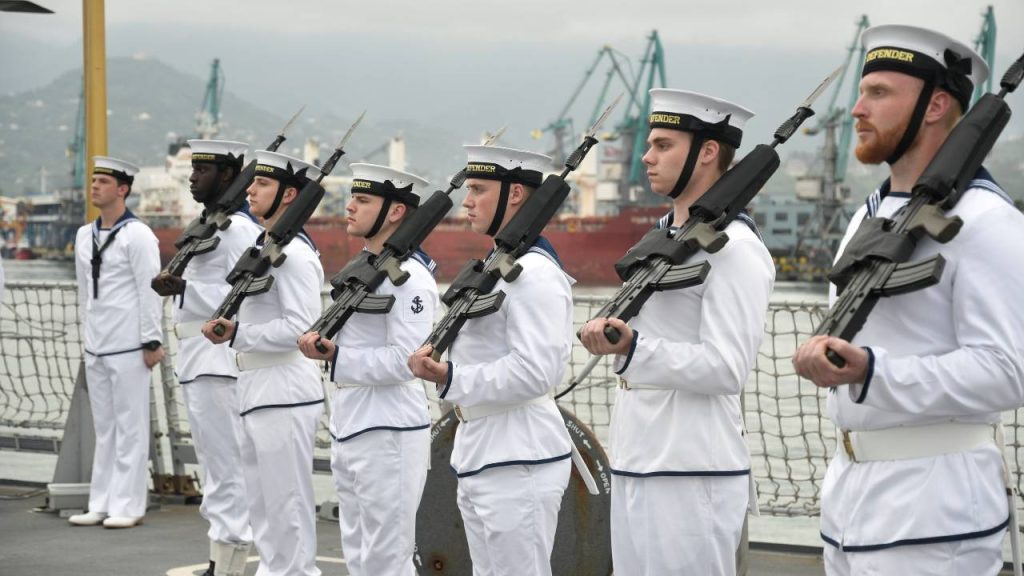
[
  {"x": 353, "y": 287},
  {"x": 251, "y": 274},
  {"x": 875, "y": 263},
  {"x": 470, "y": 294},
  {"x": 198, "y": 237},
  {"x": 657, "y": 262}
]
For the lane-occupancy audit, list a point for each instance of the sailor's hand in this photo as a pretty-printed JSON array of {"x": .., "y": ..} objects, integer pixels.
[
  {"x": 811, "y": 363},
  {"x": 166, "y": 284},
  {"x": 152, "y": 357},
  {"x": 593, "y": 337},
  {"x": 307, "y": 345},
  {"x": 227, "y": 334},
  {"x": 424, "y": 366}
]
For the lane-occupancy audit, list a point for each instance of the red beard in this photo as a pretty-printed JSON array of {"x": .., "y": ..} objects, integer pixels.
[{"x": 882, "y": 145}]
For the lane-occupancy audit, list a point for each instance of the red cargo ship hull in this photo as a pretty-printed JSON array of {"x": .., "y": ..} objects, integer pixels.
[{"x": 588, "y": 247}]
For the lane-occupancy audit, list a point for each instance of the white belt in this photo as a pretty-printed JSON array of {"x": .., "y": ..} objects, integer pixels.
[
  {"x": 467, "y": 413},
  {"x": 192, "y": 329},
  {"x": 907, "y": 442},
  {"x": 255, "y": 360}
]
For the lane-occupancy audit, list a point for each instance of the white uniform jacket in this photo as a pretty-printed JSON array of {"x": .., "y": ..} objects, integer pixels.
[
  {"x": 509, "y": 357},
  {"x": 953, "y": 352},
  {"x": 205, "y": 288},
  {"x": 695, "y": 347},
  {"x": 125, "y": 313},
  {"x": 376, "y": 390},
  {"x": 272, "y": 323}
]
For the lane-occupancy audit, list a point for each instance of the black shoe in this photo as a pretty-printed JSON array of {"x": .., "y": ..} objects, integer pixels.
[{"x": 209, "y": 569}]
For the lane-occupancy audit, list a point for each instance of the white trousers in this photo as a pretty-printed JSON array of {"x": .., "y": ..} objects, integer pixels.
[
  {"x": 379, "y": 476},
  {"x": 677, "y": 525},
  {"x": 119, "y": 398},
  {"x": 974, "y": 557},
  {"x": 277, "y": 457},
  {"x": 212, "y": 405},
  {"x": 510, "y": 514}
]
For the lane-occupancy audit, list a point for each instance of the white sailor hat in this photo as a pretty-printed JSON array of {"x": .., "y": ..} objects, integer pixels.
[
  {"x": 715, "y": 118},
  {"x": 218, "y": 151},
  {"x": 285, "y": 169},
  {"x": 506, "y": 164},
  {"x": 123, "y": 171},
  {"x": 387, "y": 182},
  {"x": 925, "y": 54}
]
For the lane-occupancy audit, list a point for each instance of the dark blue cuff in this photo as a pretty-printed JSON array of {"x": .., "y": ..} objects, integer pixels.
[
  {"x": 334, "y": 362},
  {"x": 231, "y": 342},
  {"x": 629, "y": 355},
  {"x": 181, "y": 300},
  {"x": 448, "y": 384},
  {"x": 867, "y": 379}
]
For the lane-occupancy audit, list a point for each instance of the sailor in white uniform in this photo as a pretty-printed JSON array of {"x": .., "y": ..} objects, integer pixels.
[
  {"x": 206, "y": 372},
  {"x": 512, "y": 450},
  {"x": 680, "y": 464},
  {"x": 281, "y": 396},
  {"x": 379, "y": 418},
  {"x": 918, "y": 482},
  {"x": 115, "y": 257}
]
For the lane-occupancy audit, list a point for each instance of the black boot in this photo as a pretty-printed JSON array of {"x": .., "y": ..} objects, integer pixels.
[{"x": 209, "y": 569}]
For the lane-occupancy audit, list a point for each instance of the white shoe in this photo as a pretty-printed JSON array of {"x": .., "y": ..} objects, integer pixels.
[
  {"x": 88, "y": 519},
  {"x": 122, "y": 521}
]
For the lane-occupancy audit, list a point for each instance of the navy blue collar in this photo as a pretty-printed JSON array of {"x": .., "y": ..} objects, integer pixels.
[
  {"x": 982, "y": 179},
  {"x": 542, "y": 244},
  {"x": 124, "y": 219}
]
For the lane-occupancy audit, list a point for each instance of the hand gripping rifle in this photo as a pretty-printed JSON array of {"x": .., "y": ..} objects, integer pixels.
[
  {"x": 353, "y": 287},
  {"x": 875, "y": 263},
  {"x": 198, "y": 237},
  {"x": 251, "y": 274},
  {"x": 470, "y": 294},
  {"x": 657, "y": 262}
]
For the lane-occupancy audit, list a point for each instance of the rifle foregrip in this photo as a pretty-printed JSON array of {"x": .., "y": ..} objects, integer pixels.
[
  {"x": 219, "y": 329},
  {"x": 836, "y": 360},
  {"x": 320, "y": 347},
  {"x": 612, "y": 334}
]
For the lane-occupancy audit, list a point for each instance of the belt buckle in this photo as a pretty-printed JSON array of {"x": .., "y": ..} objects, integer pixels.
[
  {"x": 848, "y": 446},
  {"x": 458, "y": 413},
  {"x": 623, "y": 384}
]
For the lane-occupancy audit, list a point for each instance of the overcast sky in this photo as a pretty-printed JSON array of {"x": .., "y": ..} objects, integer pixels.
[{"x": 480, "y": 64}]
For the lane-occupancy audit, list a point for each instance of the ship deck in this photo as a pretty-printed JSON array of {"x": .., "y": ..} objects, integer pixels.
[{"x": 172, "y": 542}]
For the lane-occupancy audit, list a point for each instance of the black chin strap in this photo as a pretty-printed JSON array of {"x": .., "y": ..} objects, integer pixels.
[
  {"x": 499, "y": 213},
  {"x": 381, "y": 216},
  {"x": 915, "y": 122},
  {"x": 277, "y": 200},
  {"x": 691, "y": 163}
]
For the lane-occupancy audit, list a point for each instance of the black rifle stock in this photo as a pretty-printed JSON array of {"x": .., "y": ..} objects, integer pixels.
[
  {"x": 658, "y": 261},
  {"x": 353, "y": 287},
  {"x": 862, "y": 281},
  {"x": 661, "y": 263},
  {"x": 470, "y": 294},
  {"x": 251, "y": 274},
  {"x": 198, "y": 237}
]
